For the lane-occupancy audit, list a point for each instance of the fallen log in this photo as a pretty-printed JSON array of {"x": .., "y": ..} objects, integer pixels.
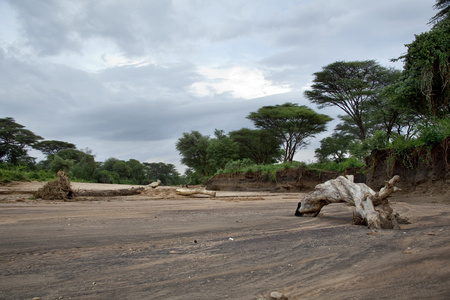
[
  {"x": 60, "y": 189},
  {"x": 371, "y": 207},
  {"x": 188, "y": 192},
  {"x": 109, "y": 193}
]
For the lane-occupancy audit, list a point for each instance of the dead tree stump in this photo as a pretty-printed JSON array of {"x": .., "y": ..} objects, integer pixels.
[
  {"x": 59, "y": 189},
  {"x": 371, "y": 207}
]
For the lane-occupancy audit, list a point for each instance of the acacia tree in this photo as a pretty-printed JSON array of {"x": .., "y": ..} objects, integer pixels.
[
  {"x": 349, "y": 86},
  {"x": 290, "y": 123},
  {"x": 14, "y": 141},
  {"x": 53, "y": 147},
  {"x": 348, "y": 127},
  {"x": 444, "y": 11},
  {"x": 193, "y": 149},
  {"x": 389, "y": 115}
]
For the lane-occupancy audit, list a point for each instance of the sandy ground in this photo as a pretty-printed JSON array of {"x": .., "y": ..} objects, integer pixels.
[{"x": 233, "y": 246}]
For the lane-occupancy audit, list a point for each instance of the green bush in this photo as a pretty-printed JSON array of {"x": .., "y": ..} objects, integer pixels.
[
  {"x": 351, "y": 162},
  {"x": 246, "y": 165},
  {"x": 9, "y": 174},
  {"x": 41, "y": 175},
  {"x": 434, "y": 133},
  {"x": 378, "y": 141},
  {"x": 237, "y": 165},
  {"x": 429, "y": 135},
  {"x": 196, "y": 178},
  {"x": 401, "y": 144}
]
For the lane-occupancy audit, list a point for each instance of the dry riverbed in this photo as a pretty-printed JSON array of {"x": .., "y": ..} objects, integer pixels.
[{"x": 235, "y": 246}]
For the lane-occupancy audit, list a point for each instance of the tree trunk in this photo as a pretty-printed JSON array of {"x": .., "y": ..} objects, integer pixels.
[
  {"x": 188, "y": 192},
  {"x": 371, "y": 207},
  {"x": 109, "y": 193}
]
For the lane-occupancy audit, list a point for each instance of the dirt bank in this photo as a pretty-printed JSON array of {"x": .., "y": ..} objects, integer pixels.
[
  {"x": 423, "y": 171},
  {"x": 239, "y": 245},
  {"x": 289, "y": 180}
]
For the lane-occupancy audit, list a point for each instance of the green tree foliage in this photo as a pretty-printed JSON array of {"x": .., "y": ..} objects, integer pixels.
[
  {"x": 333, "y": 148},
  {"x": 57, "y": 163},
  {"x": 348, "y": 127},
  {"x": 85, "y": 168},
  {"x": 349, "y": 86},
  {"x": 123, "y": 170},
  {"x": 444, "y": 11},
  {"x": 258, "y": 145},
  {"x": 15, "y": 141},
  {"x": 73, "y": 154},
  {"x": 431, "y": 134},
  {"x": 105, "y": 176},
  {"x": 105, "y": 172},
  {"x": 78, "y": 164},
  {"x": 53, "y": 147},
  {"x": 193, "y": 148},
  {"x": 390, "y": 115},
  {"x": 383, "y": 111},
  {"x": 109, "y": 164},
  {"x": 167, "y": 173},
  {"x": 114, "y": 170},
  {"x": 290, "y": 123},
  {"x": 191, "y": 177},
  {"x": 221, "y": 150},
  {"x": 425, "y": 86},
  {"x": 137, "y": 174}
]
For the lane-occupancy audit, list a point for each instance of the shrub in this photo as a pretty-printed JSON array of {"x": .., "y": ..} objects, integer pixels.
[
  {"x": 9, "y": 174},
  {"x": 237, "y": 165},
  {"x": 246, "y": 165},
  {"x": 41, "y": 175},
  {"x": 434, "y": 133},
  {"x": 351, "y": 162}
]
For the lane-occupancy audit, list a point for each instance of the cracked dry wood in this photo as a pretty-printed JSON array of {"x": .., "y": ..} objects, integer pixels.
[{"x": 370, "y": 206}]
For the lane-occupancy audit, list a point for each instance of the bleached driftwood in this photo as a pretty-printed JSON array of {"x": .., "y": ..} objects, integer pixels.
[
  {"x": 372, "y": 207},
  {"x": 155, "y": 184},
  {"x": 188, "y": 192}
]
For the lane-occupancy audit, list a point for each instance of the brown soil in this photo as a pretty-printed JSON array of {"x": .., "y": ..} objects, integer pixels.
[{"x": 238, "y": 245}]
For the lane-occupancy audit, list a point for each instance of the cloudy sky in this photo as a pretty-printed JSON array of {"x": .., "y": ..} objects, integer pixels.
[{"x": 126, "y": 78}]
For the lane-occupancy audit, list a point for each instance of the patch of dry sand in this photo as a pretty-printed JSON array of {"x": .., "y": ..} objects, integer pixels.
[{"x": 234, "y": 246}]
